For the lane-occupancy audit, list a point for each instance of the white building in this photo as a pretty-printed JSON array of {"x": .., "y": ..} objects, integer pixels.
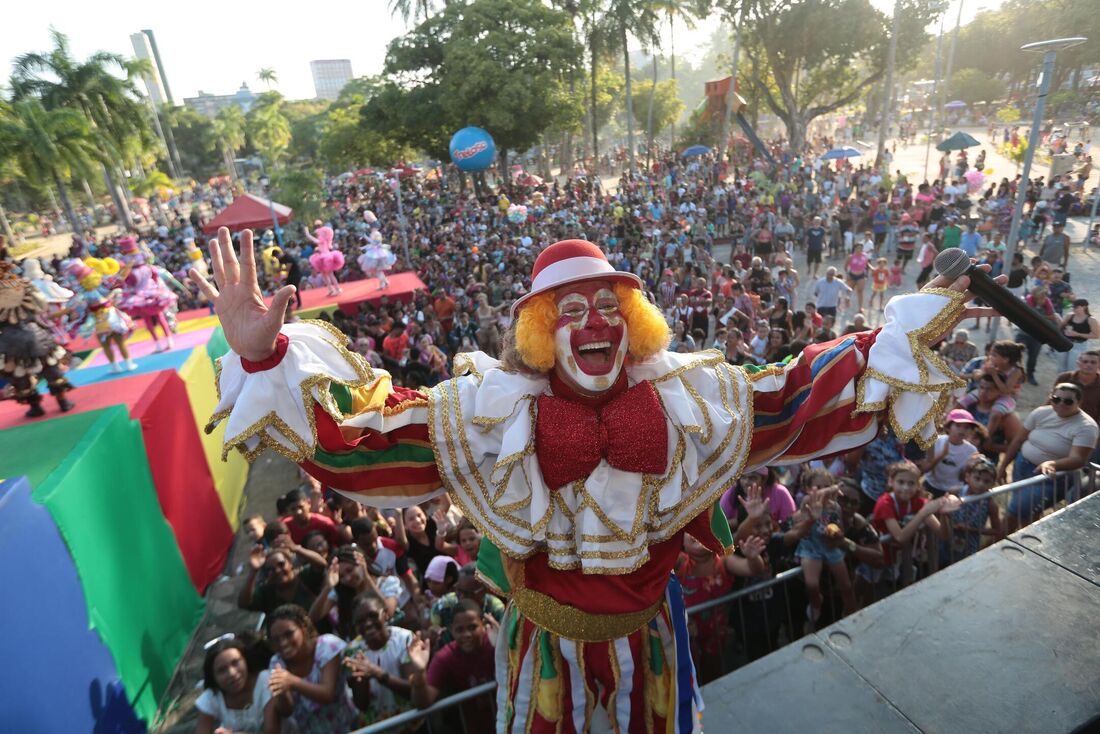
[
  {"x": 154, "y": 83},
  {"x": 210, "y": 104},
  {"x": 330, "y": 76}
]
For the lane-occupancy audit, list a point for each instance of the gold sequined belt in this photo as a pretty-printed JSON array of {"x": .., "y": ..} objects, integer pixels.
[{"x": 574, "y": 624}]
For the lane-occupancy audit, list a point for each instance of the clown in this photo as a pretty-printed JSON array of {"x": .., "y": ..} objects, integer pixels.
[
  {"x": 326, "y": 260},
  {"x": 377, "y": 259},
  {"x": 583, "y": 457},
  {"x": 56, "y": 297},
  {"x": 99, "y": 290},
  {"x": 145, "y": 293},
  {"x": 28, "y": 352}
]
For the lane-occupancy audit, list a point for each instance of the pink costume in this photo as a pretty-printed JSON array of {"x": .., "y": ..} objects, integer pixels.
[
  {"x": 326, "y": 260},
  {"x": 376, "y": 259},
  {"x": 145, "y": 295}
]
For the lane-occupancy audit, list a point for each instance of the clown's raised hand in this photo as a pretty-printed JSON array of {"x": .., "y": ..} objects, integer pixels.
[{"x": 249, "y": 324}]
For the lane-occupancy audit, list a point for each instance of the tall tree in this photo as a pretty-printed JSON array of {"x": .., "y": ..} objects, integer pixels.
[
  {"x": 811, "y": 57},
  {"x": 48, "y": 145},
  {"x": 637, "y": 18},
  {"x": 227, "y": 134},
  {"x": 499, "y": 64},
  {"x": 119, "y": 121},
  {"x": 268, "y": 129},
  {"x": 686, "y": 11},
  {"x": 414, "y": 9}
]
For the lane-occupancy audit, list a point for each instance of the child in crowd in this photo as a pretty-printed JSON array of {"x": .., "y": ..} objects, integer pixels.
[
  {"x": 705, "y": 576},
  {"x": 968, "y": 524},
  {"x": 880, "y": 281},
  {"x": 861, "y": 544},
  {"x": 377, "y": 662},
  {"x": 776, "y": 497},
  {"x": 902, "y": 511},
  {"x": 949, "y": 454},
  {"x": 895, "y": 272},
  {"x": 821, "y": 547},
  {"x": 1003, "y": 365}
]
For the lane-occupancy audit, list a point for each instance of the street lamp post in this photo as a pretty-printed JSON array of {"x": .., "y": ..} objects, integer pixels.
[
  {"x": 265, "y": 182},
  {"x": 395, "y": 184},
  {"x": 1050, "y": 50}
]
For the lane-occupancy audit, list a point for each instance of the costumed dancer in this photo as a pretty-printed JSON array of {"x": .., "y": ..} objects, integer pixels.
[
  {"x": 145, "y": 294},
  {"x": 99, "y": 290},
  {"x": 326, "y": 260},
  {"x": 377, "y": 259},
  {"x": 28, "y": 352},
  {"x": 57, "y": 298},
  {"x": 584, "y": 456}
]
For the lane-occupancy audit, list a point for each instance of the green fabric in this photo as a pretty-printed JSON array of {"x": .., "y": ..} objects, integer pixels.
[
  {"x": 140, "y": 597},
  {"x": 546, "y": 671},
  {"x": 490, "y": 565},
  {"x": 656, "y": 655},
  {"x": 720, "y": 526},
  {"x": 401, "y": 452},
  {"x": 36, "y": 449},
  {"x": 342, "y": 395},
  {"x": 217, "y": 346}
]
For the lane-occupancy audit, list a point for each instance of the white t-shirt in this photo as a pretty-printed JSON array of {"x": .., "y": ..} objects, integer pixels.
[
  {"x": 945, "y": 475},
  {"x": 250, "y": 718},
  {"x": 390, "y": 658},
  {"x": 1052, "y": 437}
]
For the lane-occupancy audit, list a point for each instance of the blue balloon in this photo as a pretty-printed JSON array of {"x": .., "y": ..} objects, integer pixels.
[{"x": 472, "y": 149}]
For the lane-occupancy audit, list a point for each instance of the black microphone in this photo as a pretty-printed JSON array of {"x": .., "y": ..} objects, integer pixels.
[{"x": 953, "y": 263}]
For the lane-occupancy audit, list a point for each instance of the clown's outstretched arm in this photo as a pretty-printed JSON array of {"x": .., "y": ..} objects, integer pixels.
[
  {"x": 834, "y": 396},
  {"x": 297, "y": 389}
]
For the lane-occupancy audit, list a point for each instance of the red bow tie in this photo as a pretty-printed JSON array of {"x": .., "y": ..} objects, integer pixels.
[{"x": 629, "y": 431}]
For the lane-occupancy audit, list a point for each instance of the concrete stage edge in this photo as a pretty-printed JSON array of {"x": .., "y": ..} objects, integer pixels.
[{"x": 1002, "y": 641}]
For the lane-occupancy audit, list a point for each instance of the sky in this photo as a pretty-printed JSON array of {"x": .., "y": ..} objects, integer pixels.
[{"x": 214, "y": 46}]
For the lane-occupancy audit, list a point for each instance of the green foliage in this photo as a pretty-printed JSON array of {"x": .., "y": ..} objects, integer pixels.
[
  {"x": 268, "y": 128},
  {"x": 153, "y": 182},
  {"x": 47, "y": 145},
  {"x": 498, "y": 64},
  {"x": 974, "y": 85},
  {"x": 193, "y": 132},
  {"x": 346, "y": 146},
  {"x": 699, "y": 131},
  {"x": 811, "y": 57},
  {"x": 666, "y": 104},
  {"x": 299, "y": 187},
  {"x": 610, "y": 88},
  {"x": 1007, "y": 115}
]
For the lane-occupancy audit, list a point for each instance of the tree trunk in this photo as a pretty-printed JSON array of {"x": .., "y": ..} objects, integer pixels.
[
  {"x": 544, "y": 159},
  {"x": 90, "y": 195},
  {"x": 629, "y": 105},
  {"x": 6, "y": 225},
  {"x": 649, "y": 118},
  {"x": 170, "y": 139},
  {"x": 122, "y": 192},
  {"x": 227, "y": 161},
  {"x": 672, "y": 73},
  {"x": 70, "y": 214},
  {"x": 595, "y": 117}
]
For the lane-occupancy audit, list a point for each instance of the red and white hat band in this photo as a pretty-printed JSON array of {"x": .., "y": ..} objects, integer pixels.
[{"x": 570, "y": 269}]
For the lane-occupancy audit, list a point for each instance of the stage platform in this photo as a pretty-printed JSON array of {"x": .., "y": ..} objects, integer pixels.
[{"x": 1001, "y": 641}]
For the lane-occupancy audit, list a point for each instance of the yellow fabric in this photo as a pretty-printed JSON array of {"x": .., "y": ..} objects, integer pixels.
[
  {"x": 370, "y": 397},
  {"x": 229, "y": 475}
]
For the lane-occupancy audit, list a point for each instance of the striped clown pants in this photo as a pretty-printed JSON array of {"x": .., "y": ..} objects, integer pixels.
[{"x": 645, "y": 682}]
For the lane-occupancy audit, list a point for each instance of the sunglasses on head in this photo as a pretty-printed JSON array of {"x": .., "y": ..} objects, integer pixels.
[{"x": 1054, "y": 400}]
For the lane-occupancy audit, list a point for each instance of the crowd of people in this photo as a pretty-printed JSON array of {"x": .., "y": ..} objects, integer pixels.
[{"x": 369, "y": 613}]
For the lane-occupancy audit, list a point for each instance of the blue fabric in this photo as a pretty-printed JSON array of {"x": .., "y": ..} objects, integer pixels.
[
  {"x": 151, "y": 363},
  {"x": 685, "y": 668},
  {"x": 57, "y": 676}
]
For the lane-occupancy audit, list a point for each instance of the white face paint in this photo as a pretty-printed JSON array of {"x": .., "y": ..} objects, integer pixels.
[{"x": 590, "y": 338}]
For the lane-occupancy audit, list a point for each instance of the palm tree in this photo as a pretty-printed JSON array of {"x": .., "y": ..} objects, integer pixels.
[
  {"x": 672, "y": 9},
  {"x": 227, "y": 133},
  {"x": 268, "y": 76},
  {"x": 600, "y": 40},
  {"x": 414, "y": 9},
  {"x": 268, "y": 129},
  {"x": 118, "y": 120},
  {"x": 48, "y": 145},
  {"x": 636, "y": 18}
]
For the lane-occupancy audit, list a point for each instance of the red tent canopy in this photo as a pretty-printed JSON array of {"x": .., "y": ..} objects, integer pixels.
[{"x": 247, "y": 212}]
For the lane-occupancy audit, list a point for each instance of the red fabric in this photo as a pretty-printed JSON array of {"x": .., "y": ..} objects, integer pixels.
[
  {"x": 316, "y": 521},
  {"x": 185, "y": 488},
  {"x": 616, "y": 594},
  {"x": 629, "y": 431},
  {"x": 248, "y": 212},
  {"x": 281, "y": 343}
]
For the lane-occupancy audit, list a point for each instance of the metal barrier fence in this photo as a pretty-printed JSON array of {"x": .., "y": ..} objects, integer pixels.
[{"x": 759, "y": 625}]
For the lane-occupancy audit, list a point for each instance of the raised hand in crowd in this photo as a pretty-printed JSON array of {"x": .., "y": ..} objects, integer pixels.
[{"x": 754, "y": 502}]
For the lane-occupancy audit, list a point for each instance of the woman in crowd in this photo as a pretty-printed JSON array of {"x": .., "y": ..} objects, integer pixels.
[
  {"x": 307, "y": 680},
  {"x": 282, "y": 584},
  {"x": 347, "y": 577},
  {"x": 235, "y": 696},
  {"x": 1080, "y": 326}
]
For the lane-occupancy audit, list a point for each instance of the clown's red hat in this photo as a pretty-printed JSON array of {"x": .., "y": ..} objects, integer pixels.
[{"x": 571, "y": 261}]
